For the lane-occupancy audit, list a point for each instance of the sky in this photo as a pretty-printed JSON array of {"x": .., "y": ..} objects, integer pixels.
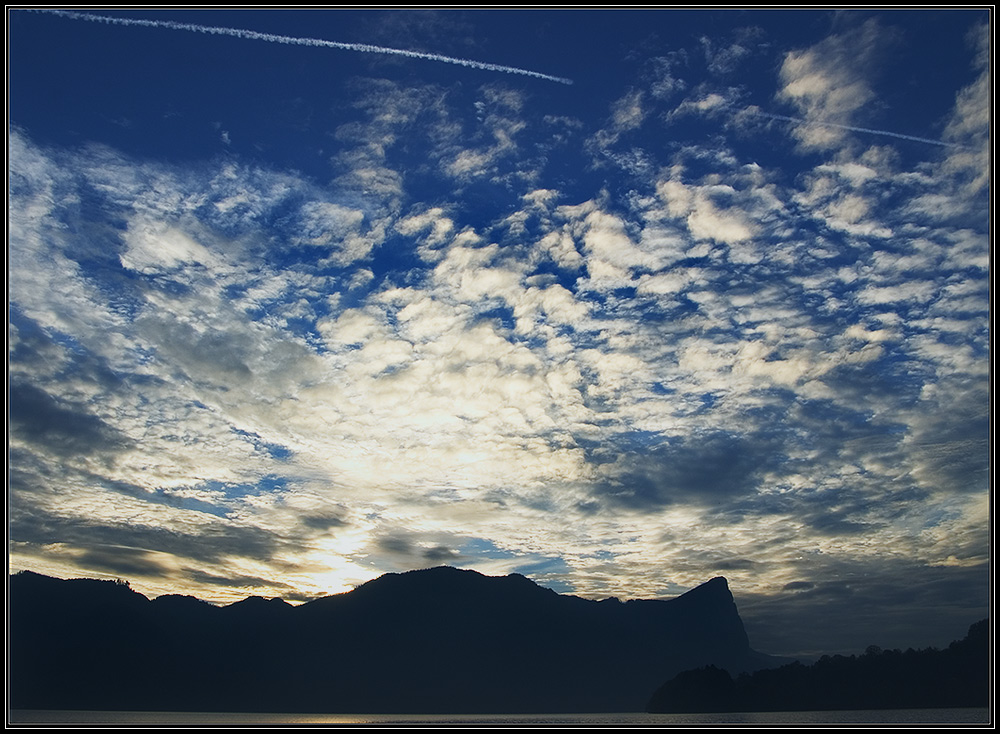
[{"x": 620, "y": 300}]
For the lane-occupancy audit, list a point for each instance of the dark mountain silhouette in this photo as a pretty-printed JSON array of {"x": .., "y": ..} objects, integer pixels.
[
  {"x": 440, "y": 640},
  {"x": 953, "y": 678}
]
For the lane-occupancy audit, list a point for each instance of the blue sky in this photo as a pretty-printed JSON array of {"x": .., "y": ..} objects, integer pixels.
[{"x": 286, "y": 317}]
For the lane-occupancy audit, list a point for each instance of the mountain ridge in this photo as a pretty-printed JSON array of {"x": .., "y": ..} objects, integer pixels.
[{"x": 440, "y": 640}]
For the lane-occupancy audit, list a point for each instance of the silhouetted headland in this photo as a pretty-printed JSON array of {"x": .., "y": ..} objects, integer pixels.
[
  {"x": 956, "y": 677},
  {"x": 439, "y": 640}
]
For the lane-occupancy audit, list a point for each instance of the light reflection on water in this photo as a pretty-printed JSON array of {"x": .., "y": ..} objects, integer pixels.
[{"x": 146, "y": 718}]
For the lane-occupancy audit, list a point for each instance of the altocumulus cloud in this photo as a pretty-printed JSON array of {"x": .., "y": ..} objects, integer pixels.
[{"x": 693, "y": 359}]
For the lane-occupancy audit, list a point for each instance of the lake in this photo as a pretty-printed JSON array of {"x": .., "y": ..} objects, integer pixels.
[{"x": 966, "y": 716}]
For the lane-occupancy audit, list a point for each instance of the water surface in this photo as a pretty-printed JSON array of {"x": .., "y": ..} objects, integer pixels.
[{"x": 887, "y": 717}]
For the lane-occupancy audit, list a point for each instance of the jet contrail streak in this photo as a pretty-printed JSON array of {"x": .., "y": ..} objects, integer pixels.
[
  {"x": 294, "y": 41},
  {"x": 860, "y": 130}
]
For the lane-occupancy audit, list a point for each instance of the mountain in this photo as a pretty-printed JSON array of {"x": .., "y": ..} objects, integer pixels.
[{"x": 438, "y": 640}]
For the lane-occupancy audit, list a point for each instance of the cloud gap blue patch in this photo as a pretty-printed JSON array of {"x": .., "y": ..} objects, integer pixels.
[{"x": 274, "y": 450}]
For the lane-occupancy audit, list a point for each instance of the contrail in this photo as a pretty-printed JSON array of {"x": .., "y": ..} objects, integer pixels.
[
  {"x": 869, "y": 130},
  {"x": 294, "y": 41}
]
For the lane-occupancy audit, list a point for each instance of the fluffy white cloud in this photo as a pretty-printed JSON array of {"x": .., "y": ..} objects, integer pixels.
[{"x": 827, "y": 86}]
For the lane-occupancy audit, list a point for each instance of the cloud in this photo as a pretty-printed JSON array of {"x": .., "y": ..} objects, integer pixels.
[
  {"x": 123, "y": 562},
  {"x": 627, "y": 113},
  {"x": 968, "y": 126},
  {"x": 37, "y": 417},
  {"x": 702, "y": 469},
  {"x": 825, "y": 83},
  {"x": 724, "y": 60},
  {"x": 706, "y": 221}
]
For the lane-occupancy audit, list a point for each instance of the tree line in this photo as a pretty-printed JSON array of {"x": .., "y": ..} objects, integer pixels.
[{"x": 879, "y": 679}]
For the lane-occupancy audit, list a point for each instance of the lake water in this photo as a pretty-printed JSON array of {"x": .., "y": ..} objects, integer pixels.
[{"x": 904, "y": 717}]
